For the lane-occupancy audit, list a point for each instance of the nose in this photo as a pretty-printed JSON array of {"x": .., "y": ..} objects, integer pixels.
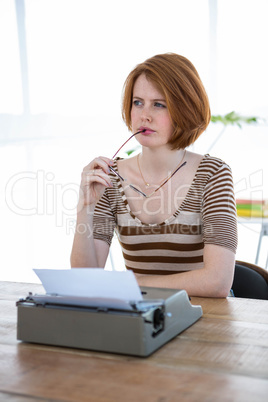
[{"x": 146, "y": 115}]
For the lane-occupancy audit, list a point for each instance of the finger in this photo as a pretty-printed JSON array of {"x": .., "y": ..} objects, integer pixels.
[
  {"x": 96, "y": 172},
  {"x": 98, "y": 180},
  {"x": 109, "y": 161},
  {"x": 100, "y": 162},
  {"x": 93, "y": 175}
]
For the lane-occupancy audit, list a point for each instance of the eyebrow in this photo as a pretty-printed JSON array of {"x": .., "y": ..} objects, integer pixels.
[{"x": 154, "y": 100}]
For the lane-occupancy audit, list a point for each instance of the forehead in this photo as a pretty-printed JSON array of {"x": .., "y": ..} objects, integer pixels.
[{"x": 143, "y": 86}]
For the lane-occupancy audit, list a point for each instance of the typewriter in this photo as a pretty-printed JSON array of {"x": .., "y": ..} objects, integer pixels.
[{"x": 136, "y": 328}]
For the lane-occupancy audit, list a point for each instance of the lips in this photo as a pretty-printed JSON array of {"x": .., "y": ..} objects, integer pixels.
[{"x": 146, "y": 130}]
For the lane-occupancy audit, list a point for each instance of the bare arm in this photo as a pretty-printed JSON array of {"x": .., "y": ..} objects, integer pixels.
[
  {"x": 214, "y": 280},
  {"x": 87, "y": 252}
]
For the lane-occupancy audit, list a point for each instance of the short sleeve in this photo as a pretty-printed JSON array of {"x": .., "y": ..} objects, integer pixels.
[
  {"x": 219, "y": 210},
  {"x": 103, "y": 220}
]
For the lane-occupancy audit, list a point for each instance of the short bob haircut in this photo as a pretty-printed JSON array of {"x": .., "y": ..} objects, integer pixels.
[{"x": 187, "y": 101}]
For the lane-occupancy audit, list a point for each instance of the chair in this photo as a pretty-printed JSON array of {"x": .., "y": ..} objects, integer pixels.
[{"x": 250, "y": 281}]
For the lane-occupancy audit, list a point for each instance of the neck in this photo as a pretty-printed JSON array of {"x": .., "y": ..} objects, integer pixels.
[
  {"x": 160, "y": 159},
  {"x": 156, "y": 164}
]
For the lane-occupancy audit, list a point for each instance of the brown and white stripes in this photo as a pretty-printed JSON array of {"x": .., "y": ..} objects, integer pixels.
[{"x": 206, "y": 216}]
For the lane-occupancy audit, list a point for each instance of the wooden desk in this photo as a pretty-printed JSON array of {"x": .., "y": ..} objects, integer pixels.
[{"x": 223, "y": 357}]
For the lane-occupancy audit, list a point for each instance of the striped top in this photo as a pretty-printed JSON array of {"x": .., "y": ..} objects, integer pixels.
[{"x": 207, "y": 215}]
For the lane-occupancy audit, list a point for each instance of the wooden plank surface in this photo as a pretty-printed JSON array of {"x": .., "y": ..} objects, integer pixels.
[
  {"x": 52, "y": 374},
  {"x": 223, "y": 357}
]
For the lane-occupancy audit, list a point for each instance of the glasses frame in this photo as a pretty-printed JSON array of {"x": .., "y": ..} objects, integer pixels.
[
  {"x": 118, "y": 175},
  {"x": 131, "y": 185}
]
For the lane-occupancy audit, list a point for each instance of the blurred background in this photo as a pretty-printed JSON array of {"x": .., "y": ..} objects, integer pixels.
[{"x": 62, "y": 68}]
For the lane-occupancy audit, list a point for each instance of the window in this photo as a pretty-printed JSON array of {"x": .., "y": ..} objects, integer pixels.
[{"x": 64, "y": 65}]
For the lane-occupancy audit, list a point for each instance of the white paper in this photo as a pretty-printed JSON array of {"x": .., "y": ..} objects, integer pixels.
[
  {"x": 91, "y": 283},
  {"x": 95, "y": 302}
]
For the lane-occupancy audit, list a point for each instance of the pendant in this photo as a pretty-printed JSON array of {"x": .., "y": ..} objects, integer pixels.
[{"x": 147, "y": 184}]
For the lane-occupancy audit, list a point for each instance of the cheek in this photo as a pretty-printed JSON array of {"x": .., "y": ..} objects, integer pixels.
[
  {"x": 132, "y": 115},
  {"x": 166, "y": 121}
]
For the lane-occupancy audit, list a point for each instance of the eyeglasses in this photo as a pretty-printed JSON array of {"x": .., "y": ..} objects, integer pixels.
[
  {"x": 118, "y": 175},
  {"x": 131, "y": 185}
]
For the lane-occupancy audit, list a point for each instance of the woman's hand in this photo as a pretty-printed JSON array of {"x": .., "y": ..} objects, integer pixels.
[{"x": 94, "y": 179}]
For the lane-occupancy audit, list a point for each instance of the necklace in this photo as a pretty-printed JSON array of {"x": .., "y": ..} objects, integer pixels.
[
  {"x": 168, "y": 176},
  {"x": 145, "y": 182}
]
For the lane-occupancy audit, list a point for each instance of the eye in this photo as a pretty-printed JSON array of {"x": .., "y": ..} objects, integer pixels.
[
  {"x": 137, "y": 102},
  {"x": 158, "y": 104}
]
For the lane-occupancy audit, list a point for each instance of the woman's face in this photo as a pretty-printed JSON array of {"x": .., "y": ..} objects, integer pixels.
[{"x": 149, "y": 111}]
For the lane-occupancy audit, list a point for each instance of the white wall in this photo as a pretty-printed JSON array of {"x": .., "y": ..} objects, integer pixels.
[{"x": 79, "y": 53}]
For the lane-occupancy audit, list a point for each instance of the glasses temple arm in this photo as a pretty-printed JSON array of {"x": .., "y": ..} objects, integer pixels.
[{"x": 138, "y": 132}]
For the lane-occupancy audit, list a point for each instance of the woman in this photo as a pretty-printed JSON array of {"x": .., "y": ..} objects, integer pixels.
[{"x": 173, "y": 210}]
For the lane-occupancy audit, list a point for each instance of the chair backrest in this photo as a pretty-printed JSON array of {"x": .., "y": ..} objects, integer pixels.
[{"x": 250, "y": 281}]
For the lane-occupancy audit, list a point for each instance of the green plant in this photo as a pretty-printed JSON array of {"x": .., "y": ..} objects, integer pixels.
[
  {"x": 234, "y": 118},
  {"x": 228, "y": 119}
]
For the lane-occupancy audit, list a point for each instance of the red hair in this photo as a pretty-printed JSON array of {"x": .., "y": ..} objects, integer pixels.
[{"x": 187, "y": 101}]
